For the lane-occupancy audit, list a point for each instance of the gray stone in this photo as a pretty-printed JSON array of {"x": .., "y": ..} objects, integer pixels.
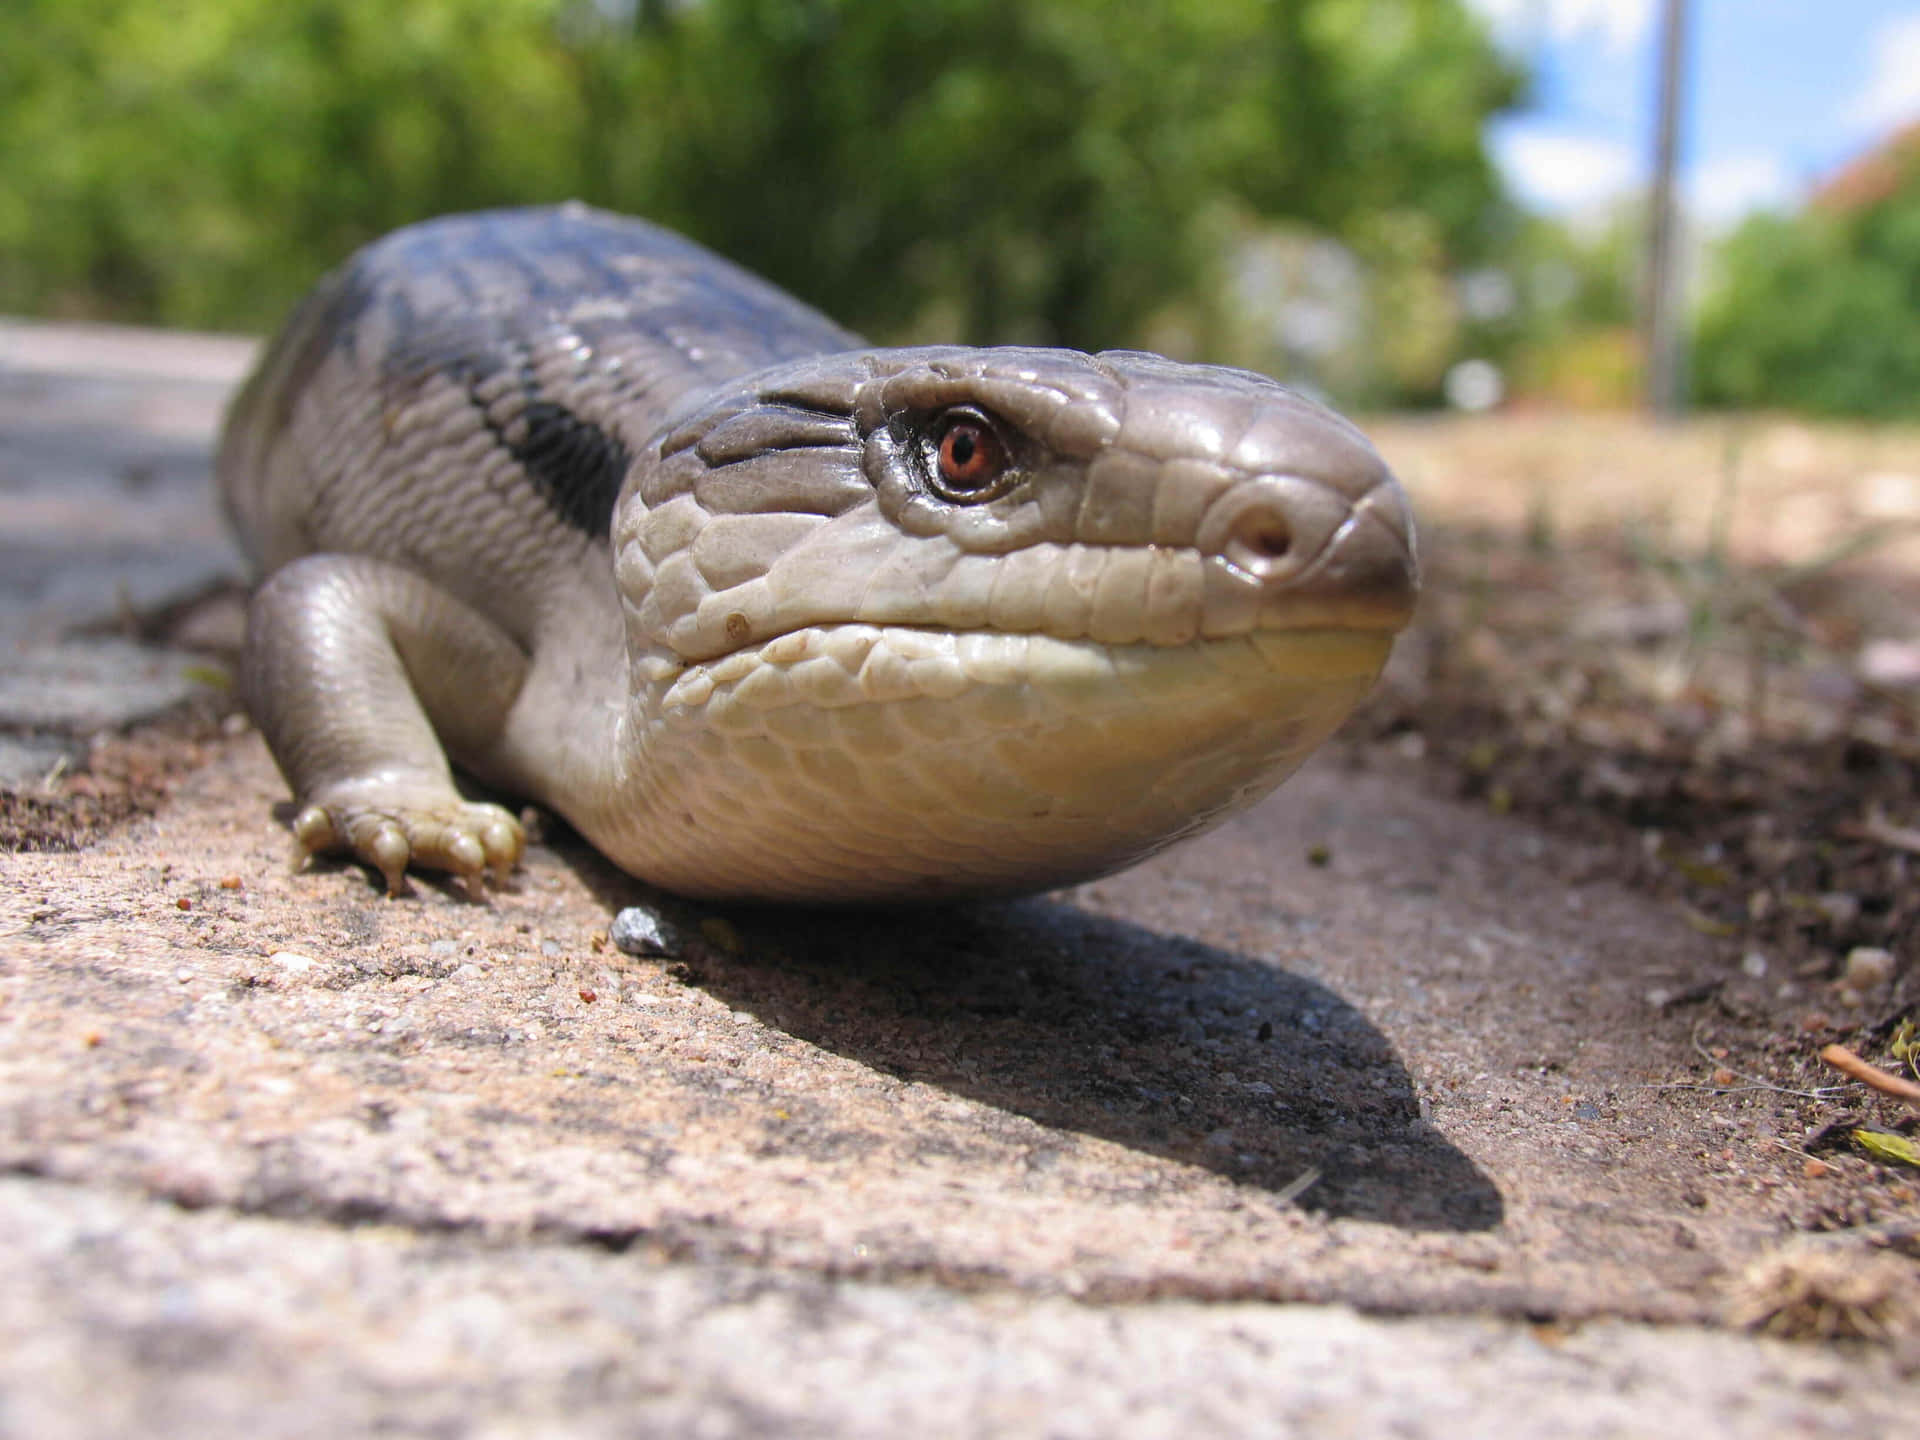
[
  {"x": 104, "y": 474},
  {"x": 53, "y": 586},
  {"x": 639, "y": 931},
  {"x": 26, "y": 761},
  {"x": 80, "y": 686},
  {"x": 121, "y": 1317}
]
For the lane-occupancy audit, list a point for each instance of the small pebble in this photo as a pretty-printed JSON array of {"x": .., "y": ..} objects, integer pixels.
[
  {"x": 1814, "y": 1169},
  {"x": 1754, "y": 964},
  {"x": 589, "y": 996},
  {"x": 291, "y": 960},
  {"x": 636, "y": 930},
  {"x": 183, "y": 976},
  {"x": 229, "y": 882},
  {"x": 1891, "y": 662},
  {"x": 183, "y": 903},
  {"x": 1839, "y": 908},
  {"x": 1867, "y": 968}
]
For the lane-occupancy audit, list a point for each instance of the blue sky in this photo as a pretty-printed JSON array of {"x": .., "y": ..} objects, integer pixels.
[{"x": 1784, "y": 91}]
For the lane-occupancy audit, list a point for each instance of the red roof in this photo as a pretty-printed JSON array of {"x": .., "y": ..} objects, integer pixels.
[{"x": 1873, "y": 176}]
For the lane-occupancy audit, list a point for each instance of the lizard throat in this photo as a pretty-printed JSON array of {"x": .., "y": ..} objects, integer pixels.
[{"x": 856, "y": 762}]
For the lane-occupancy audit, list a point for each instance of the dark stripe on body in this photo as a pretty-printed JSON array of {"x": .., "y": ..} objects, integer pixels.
[
  {"x": 575, "y": 465},
  {"x": 468, "y": 297}
]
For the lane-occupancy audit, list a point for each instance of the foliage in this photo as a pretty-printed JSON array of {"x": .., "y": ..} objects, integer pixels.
[
  {"x": 1571, "y": 336},
  {"x": 200, "y": 162},
  {"x": 1816, "y": 311},
  {"x": 1003, "y": 169},
  {"x": 1046, "y": 169}
]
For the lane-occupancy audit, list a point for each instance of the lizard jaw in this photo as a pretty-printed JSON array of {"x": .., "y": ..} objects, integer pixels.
[{"x": 860, "y": 762}]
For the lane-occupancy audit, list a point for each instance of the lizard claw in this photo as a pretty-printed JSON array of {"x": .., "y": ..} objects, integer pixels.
[{"x": 468, "y": 838}]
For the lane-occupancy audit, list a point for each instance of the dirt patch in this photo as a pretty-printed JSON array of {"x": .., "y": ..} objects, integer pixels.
[
  {"x": 1718, "y": 729},
  {"x": 1695, "y": 650},
  {"x": 1769, "y": 489},
  {"x": 122, "y": 778}
]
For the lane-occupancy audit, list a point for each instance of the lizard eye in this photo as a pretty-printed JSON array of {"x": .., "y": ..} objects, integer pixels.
[{"x": 969, "y": 460}]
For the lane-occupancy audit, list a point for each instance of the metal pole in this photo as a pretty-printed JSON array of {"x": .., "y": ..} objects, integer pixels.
[{"x": 1663, "y": 309}]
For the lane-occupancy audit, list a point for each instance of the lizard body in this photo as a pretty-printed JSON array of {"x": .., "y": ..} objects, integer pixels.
[{"x": 762, "y": 611}]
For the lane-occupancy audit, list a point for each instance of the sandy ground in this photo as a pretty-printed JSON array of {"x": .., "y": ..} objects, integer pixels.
[
  {"x": 1774, "y": 488},
  {"x": 1373, "y": 1111}
]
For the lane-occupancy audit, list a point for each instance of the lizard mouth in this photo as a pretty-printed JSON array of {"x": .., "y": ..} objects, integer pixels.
[
  {"x": 832, "y": 667},
  {"x": 928, "y": 762}
]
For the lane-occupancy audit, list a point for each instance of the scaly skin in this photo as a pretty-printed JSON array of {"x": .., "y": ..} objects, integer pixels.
[{"x": 614, "y": 525}]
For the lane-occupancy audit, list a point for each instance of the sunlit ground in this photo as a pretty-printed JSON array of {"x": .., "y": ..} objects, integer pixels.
[
  {"x": 1770, "y": 489},
  {"x": 1698, "y": 643}
]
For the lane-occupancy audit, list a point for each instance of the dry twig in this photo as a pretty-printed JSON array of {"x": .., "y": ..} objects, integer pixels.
[
  {"x": 1848, "y": 1063},
  {"x": 1882, "y": 831},
  {"x": 1754, "y": 1082}
]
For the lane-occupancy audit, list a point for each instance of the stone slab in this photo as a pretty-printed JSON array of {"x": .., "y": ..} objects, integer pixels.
[
  {"x": 83, "y": 685},
  {"x": 120, "y": 1317}
]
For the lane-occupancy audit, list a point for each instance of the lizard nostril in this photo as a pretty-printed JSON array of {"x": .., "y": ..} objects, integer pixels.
[{"x": 1259, "y": 541}]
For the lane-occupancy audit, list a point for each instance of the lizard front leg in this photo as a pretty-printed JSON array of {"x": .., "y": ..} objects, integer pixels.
[{"x": 364, "y": 677}]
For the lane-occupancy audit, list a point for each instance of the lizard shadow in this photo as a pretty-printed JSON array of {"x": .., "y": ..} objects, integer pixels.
[{"x": 1086, "y": 1023}]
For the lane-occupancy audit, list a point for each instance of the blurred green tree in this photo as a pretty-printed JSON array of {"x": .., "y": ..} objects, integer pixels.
[
  {"x": 1055, "y": 170},
  {"x": 200, "y": 161},
  {"x": 1572, "y": 338},
  {"x": 1821, "y": 311},
  {"x": 1058, "y": 171}
]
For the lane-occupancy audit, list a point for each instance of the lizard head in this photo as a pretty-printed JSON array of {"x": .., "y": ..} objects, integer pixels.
[{"x": 942, "y": 621}]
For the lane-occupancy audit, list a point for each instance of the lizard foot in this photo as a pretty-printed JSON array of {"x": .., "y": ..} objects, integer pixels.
[{"x": 465, "y": 837}]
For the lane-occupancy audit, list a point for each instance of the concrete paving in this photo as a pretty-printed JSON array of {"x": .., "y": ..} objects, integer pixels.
[
  {"x": 1369, "y": 1113},
  {"x": 104, "y": 445}
]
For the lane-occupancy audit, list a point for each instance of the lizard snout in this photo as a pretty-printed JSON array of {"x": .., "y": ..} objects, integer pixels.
[{"x": 1309, "y": 555}]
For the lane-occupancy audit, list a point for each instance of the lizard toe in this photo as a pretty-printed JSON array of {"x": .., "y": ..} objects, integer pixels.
[{"x": 395, "y": 835}]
